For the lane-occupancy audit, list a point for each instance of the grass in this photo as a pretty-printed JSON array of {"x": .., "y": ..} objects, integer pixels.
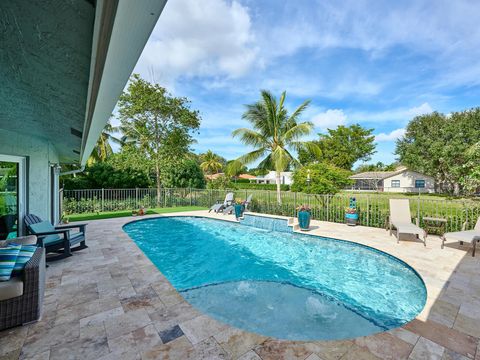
[{"x": 124, "y": 213}]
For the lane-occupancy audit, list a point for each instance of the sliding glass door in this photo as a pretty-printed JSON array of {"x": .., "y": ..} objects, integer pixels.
[{"x": 12, "y": 194}]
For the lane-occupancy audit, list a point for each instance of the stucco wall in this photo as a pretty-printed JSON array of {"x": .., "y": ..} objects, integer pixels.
[
  {"x": 40, "y": 153},
  {"x": 407, "y": 182}
]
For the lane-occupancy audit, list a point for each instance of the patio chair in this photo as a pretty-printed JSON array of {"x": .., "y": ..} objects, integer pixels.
[
  {"x": 219, "y": 206},
  {"x": 471, "y": 236},
  {"x": 56, "y": 238},
  {"x": 21, "y": 298},
  {"x": 401, "y": 219},
  {"x": 229, "y": 209}
]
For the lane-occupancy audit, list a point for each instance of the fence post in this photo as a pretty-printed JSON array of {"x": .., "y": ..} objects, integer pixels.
[
  {"x": 191, "y": 199},
  {"x": 328, "y": 204},
  {"x": 103, "y": 197},
  {"x": 368, "y": 209},
  {"x": 418, "y": 209},
  {"x": 294, "y": 204},
  {"x": 136, "y": 198}
]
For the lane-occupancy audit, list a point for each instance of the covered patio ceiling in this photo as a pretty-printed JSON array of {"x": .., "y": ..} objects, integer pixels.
[{"x": 59, "y": 78}]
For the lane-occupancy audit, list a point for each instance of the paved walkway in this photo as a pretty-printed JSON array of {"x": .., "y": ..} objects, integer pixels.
[{"x": 110, "y": 302}]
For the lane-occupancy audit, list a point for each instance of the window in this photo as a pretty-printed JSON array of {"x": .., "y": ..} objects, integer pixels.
[
  {"x": 419, "y": 184},
  {"x": 395, "y": 183}
]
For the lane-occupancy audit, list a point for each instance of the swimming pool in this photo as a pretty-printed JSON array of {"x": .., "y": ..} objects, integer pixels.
[{"x": 284, "y": 285}]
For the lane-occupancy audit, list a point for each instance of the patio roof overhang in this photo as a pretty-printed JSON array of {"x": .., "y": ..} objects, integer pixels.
[{"x": 64, "y": 64}]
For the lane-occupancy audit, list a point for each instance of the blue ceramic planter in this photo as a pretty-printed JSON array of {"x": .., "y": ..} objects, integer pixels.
[
  {"x": 304, "y": 220},
  {"x": 351, "y": 219},
  {"x": 239, "y": 210}
]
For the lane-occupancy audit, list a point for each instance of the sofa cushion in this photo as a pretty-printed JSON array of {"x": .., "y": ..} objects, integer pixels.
[
  {"x": 21, "y": 240},
  {"x": 10, "y": 289},
  {"x": 8, "y": 256},
  {"x": 25, "y": 254}
]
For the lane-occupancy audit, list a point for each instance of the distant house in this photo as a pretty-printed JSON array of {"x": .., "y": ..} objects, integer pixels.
[
  {"x": 246, "y": 176},
  {"x": 271, "y": 178},
  {"x": 401, "y": 180}
]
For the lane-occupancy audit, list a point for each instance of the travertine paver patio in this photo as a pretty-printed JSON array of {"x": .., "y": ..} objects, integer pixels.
[{"x": 110, "y": 302}]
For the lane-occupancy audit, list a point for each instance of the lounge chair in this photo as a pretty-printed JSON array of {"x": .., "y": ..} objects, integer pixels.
[
  {"x": 56, "y": 238},
  {"x": 229, "y": 209},
  {"x": 219, "y": 206},
  {"x": 401, "y": 219},
  {"x": 471, "y": 236}
]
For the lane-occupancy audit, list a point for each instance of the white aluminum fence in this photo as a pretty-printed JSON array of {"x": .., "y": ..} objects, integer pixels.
[{"x": 373, "y": 208}]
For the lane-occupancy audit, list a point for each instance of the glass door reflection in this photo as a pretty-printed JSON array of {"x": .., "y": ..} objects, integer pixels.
[{"x": 9, "y": 183}]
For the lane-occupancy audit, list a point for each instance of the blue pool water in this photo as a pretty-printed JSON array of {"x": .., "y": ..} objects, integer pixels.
[{"x": 285, "y": 285}]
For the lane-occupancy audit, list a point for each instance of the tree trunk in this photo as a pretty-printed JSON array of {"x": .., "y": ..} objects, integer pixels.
[
  {"x": 456, "y": 189},
  {"x": 279, "y": 198}
]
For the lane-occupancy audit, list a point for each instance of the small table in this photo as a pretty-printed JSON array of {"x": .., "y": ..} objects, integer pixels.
[{"x": 436, "y": 224}]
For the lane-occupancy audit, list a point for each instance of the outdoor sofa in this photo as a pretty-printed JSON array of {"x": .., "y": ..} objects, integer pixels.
[{"x": 21, "y": 298}]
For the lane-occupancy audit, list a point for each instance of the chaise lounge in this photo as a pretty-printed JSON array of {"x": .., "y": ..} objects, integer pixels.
[
  {"x": 219, "y": 206},
  {"x": 56, "y": 238},
  {"x": 401, "y": 219},
  {"x": 470, "y": 236},
  {"x": 229, "y": 209}
]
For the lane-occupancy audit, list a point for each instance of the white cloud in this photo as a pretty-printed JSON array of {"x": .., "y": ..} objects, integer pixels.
[
  {"x": 200, "y": 38},
  {"x": 391, "y": 136},
  {"x": 425, "y": 108},
  {"x": 329, "y": 119},
  {"x": 399, "y": 114}
]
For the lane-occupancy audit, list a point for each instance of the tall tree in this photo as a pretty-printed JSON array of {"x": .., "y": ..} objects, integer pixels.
[
  {"x": 343, "y": 146},
  {"x": 103, "y": 148},
  {"x": 438, "y": 145},
  {"x": 160, "y": 124},
  {"x": 211, "y": 162},
  {"x": 275, "y": 133}
]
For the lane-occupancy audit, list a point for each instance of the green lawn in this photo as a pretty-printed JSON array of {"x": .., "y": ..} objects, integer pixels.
[{"x": 115, "y": 214}]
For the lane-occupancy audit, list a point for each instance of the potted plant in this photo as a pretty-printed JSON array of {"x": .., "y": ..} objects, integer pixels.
[
  {"x": 239, "y": 208},
  {"x": 65, "y": 219},
  {"x": 351, "y": 214},
  {"x": 304, "y": 215}
]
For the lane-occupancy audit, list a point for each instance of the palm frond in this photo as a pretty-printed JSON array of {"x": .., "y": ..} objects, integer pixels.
[
  {"x": 250, "y": 137},
  {"x": 252, "y": 156},
  {"x": 297, "y": 131}
]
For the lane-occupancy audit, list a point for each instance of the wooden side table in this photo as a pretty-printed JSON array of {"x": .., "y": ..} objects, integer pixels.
[{"x": 433, "y": 224}]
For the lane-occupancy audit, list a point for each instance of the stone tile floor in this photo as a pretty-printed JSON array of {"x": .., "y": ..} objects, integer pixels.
[{"x": 110, "y": 302}]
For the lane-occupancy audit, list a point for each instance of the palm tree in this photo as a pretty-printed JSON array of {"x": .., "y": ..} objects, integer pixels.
[
  {"x": 211, "y": 162},
  {"x": 103, "y": 148},
  {"x": 274, "y": 135}
]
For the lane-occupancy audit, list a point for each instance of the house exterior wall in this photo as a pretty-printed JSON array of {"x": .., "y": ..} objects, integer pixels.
[
  {"x": 271, "y": 178},
  {"x": 39, "y": 153},
  {"x": 407, "y": 183}
]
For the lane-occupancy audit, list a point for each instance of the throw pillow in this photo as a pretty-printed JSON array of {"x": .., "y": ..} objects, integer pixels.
[{"x": 8, "y": 256}]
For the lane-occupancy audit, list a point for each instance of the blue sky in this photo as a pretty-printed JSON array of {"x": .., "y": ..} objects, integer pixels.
[{"x": 376, "y": 63}]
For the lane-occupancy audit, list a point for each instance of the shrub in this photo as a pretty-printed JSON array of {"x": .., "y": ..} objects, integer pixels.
[
  {"x": 185, "y": 174},
  {"x": 324, "y": 179}
]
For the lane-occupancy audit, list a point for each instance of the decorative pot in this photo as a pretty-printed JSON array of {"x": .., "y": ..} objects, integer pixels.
[
  {"x": 239, "y": 210},
  {"x": 351, "y": 219},
  {"x": 304, "y": 220}
]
